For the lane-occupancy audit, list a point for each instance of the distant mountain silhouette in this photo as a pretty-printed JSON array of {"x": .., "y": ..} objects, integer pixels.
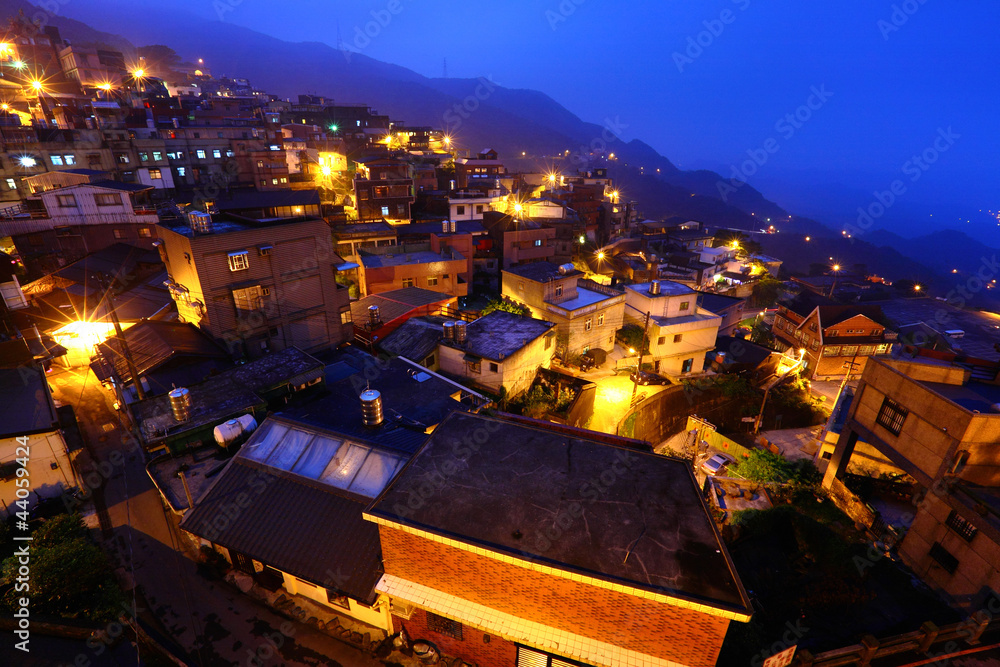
[{"x": 483, "y": 113}]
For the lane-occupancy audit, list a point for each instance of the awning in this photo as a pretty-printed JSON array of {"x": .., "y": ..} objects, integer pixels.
[
  {"x": 347, "y": 266},
  {"x": 473, "y": 358}
]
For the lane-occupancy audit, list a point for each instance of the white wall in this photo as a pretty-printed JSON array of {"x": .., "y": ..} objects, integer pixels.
[{"x": 43, "y": 481}]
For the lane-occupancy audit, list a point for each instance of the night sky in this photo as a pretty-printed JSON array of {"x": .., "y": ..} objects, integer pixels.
[{"x": 893, "y": 74}]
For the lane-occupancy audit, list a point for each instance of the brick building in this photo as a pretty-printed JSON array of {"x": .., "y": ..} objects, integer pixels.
[{"x": 546, "y": 546}]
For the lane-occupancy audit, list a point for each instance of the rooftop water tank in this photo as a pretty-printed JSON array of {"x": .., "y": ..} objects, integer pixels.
[{"x": 371, "y": 407}]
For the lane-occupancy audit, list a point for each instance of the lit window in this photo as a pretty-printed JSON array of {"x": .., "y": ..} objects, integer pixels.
[
  {"x": 200, "y": 154},
  {"x": 891, "y": 415},
  {"x": 559, "y": 290},
  {"x": 119, "y": 234},
  {"x": 57, "y": 160},
  {"x": 238, "y": 261},
  {"x": 284, "y": 179},
  {"x": 143, "y": 156},
  {"x": 588, "y": 324},
  {"x": 385, "y": 210},
  {"x": 538, "y": 243},
  {"x": 11, "y": 184},
  {"x": 69, "y": 159},
  {"x": 181, "y": 171},
  {"x": 345, "y": 317},
  {"x": 475, "y": 366},
  {"x": 216, "y": 153},
  {"x": 600, "y": 320},
  {"x": 432, "y": 282},
  {"x": 407, "y": 282},
  {"x": 157, "y": 156},
  {"x": 144, "y": 232},
  {"x": 685, "y": 305},
  {"x": 260, "y": 164},
  {"x": 155, "y": 174}
]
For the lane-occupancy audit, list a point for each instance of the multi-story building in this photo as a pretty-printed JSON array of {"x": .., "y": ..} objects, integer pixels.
[
  {"x": 603, "y": 553},
  {"x": 935, "y": 417},
  {"x": 383, "y": 190},
  {"x": 586, "y": 314},
  {"x": 93, "y": 67},
  {"x": 480, "y": 172},
  {"x": 257, "y": 285},
  {"x": 500, "y": 351},
  {"x": 837, "y": 339},
  {"x": 679, "y": 331},
  {"x": 434, "y": 266},
  {"x": 519, "y": 240}
]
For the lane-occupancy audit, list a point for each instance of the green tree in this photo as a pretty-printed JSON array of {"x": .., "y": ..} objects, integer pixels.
[
  {"x": 762, "y": 466},
  {"x": 70, "y": 575},
  {"x": 507, "y": 305},
  {"x": 766, "y": 292},
  {"x": 631, "y": 336}
]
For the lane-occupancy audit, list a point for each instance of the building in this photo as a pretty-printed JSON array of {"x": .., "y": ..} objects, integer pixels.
[
  {"x": 417, "y": 339},
  {"x": 680, "y": 332},
  {"x": 837, "y": 339},
  {"x": 32, "y": 432},
  {"x": 935, "y": 416},
  {"x": 257, "y": 285},
  {"x": 500, "y": 352},
  {"x": 269, "y": 204},
  {"x": 378, "y": 315},
  {"x": 433, "y": 266},
  {"x": 383, "y": 190},
  {"x": 602, "y": 554},
  {"x": 730, "y": 308},
  {"x": 307, "y": 475},
  {"x": 586, "y": 314},
  {"x": 520, "y": 241},
  {"x": 247, "y": 389},
  {"x": 480, "y": 172}
]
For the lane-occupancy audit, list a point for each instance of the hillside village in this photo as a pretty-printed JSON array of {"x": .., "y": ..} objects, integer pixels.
[{"x": 294, "y": 382}]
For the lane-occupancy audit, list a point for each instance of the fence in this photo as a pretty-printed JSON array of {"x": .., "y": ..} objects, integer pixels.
[{"x": 706, "y": 433}]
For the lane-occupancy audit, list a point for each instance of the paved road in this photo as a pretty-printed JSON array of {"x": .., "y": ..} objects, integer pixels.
[
  {"x": 980, "y": 334},
  {"x": 216, "y": 624}
]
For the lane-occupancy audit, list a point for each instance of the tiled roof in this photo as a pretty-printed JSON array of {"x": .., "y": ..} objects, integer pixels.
[
  {"x": 395, "y": 303},
  {"x": 500, "y": 334},
  {"x": 152, "y": 343},
  {"x": 541, "y": 271},
  {"x": 297, "y": 525}
]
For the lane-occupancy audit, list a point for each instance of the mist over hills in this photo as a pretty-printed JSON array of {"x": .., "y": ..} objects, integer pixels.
[{"x": 483, "y": 113}]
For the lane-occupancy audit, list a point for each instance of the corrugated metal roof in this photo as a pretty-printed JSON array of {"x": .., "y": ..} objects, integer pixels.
[{"x": 293, "y": 524}]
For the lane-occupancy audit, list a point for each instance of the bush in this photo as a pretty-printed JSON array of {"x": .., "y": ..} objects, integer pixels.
[{"x": 508, "y": 306}]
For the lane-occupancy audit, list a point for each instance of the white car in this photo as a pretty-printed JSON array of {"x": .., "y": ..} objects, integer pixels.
[{"x": 716, "y": 464}]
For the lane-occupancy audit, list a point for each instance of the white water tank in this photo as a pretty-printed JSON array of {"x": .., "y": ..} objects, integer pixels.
[
  {"x": 228, "y": 432},
  {"x": 565, "y": 269},
  {"x": 371, "y": 407},
  {"x": 654, "y": 287}
]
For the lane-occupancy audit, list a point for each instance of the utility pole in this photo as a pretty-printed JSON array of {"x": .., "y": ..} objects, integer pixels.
[
  {"x": 642, "y": 346},
  {"x": 133, "y": 371}
]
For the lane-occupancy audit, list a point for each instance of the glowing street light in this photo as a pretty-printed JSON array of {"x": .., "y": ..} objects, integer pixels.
[
  {"x": 447, "y": 140},
  {"x": 808, "y": 238},
  {"x": 518, "y": 208},
  {"x": 326, "y": 170},
  {"x": 37, "y": 85},
  {"x": 19, "y": 64},
  {"x": 836, "y": 267},
  {"x": 334, "y": 128},
  {"x": 600, "y": 255},
  {"x": 138, "y": 73},
  {"x": 916, "y": 288}
]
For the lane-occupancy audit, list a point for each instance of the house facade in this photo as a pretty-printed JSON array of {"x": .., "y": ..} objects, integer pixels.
[
  {"x": 586, "y": 314},
  {"x": 935, "y": 419}
]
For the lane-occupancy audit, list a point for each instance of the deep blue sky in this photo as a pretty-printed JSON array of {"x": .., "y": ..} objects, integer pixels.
[{"x": 892, "y": 91}]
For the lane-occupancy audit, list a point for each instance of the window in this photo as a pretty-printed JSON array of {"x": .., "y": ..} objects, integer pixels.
[
  {"x": 119, "y": 234},
  {"x": 798, "y": 334},
  {"x": 238, "y": 261},
  {"x": 831, "y": 351},
  {"x": 182, "y": 171},
  {"x": 110, "y": 199},
  {"x": 548, "y": 342},
  {"x": 678, "y": 337},
  {"x": 8, "y": 470},
  {"x": 11, "y": 185},
  {"x": 444, "y": 626},
  {"x": 815, "y": 345},
  {"x": 429, "y": 361},
  {"x": 431, "y": 282},
  {"x": 143, "y": 156},
  {"x": 216, "y": 153},
  {"x": 144, "y": 232},
  {"x": 248, "y": 298},
  {"x": 661, "y": 340},
  {"x": 263, "y": 182},
  {"x": 274, "y": 181},
  {"x": 943, "y": 558},
  {"x": 264, "y": 250},
  {"x": 407, "y": 282},
  {"x": 345, "y": 316},
  {"x": 832, "y": 333},
  {"x": 527, "y": 657},
  {"x": 459, "y": 210},
  {"x": 200, "y": 154},
  {"x": 538, "y": 243},
  {"x": 600, "y": 320},
  {"x": 964, "y": 529},
  {"x": 559, "y": 290},
  {"x": 866, "y": 350},
  {"x": 849, "y": 350},
  {"x": 444, "y": 277},
  {"x": 961, "y": 458},
  {"x": 157, "y": 156},
  {"x": 155, "y": 175},
  {"x": 494, "y": 368},
  {"x": 337, "y": 600},
  {"x": 475, "y": 366},
  {"x": 121, "y": 158},
  {"x": 812, "y": 326},
  {"x": 57, "y": 160},
  {"x": 260, "y": 164},
  {"x": 588, "y": 324},
  {"x": 687, "y": 366},
  {"x": 65, "y": 201},
  {"x": 283, "y": 179},
  {"x": 385, "y": 210},
  {"x": 891, "y": 415},
  {"x": 882, "y": 349},
  {"x": 69, "y": 159},
  {"x": 685, "y": 305}
]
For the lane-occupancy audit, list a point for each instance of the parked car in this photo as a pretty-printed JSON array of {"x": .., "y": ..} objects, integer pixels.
[
  {"x": 592, "y": 359},
  {"x": 645, "y": 377},
  {"x": 716, "y": 464}
]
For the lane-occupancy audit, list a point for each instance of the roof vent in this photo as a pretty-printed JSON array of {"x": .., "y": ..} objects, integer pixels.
[
  {"x": 565, "y": 269},
  {"x": 448, "y": 330},
  {"x": 460, "y": 331},
  {"x": 374, "y": 318},
  {"x": 371, "y": 407},
  {"x": 654, "y": 287},
  {"x": 180, "y": 403}
]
